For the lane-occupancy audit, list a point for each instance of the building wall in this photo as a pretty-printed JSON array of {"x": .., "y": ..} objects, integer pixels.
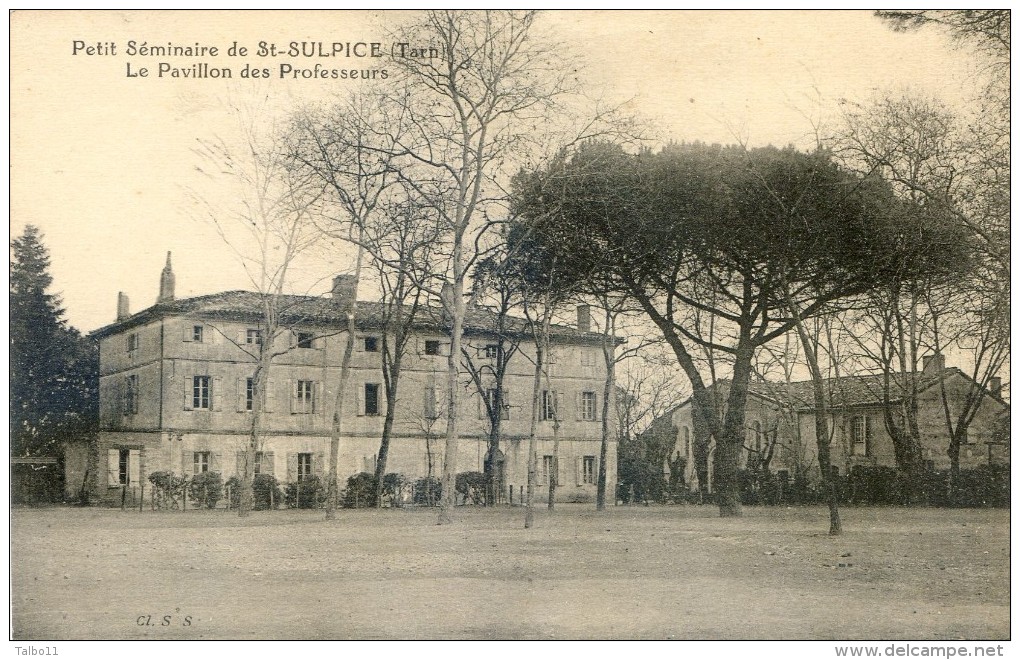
[
  {"x": 762, "y": 421},
  {"x": 166, "y": 430},
  {"x": 879, "y": 449}
]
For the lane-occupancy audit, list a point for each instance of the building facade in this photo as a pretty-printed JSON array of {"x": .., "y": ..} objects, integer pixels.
[
  {"x": 780, "y": 423},
  {"x": 176, "y": 395}
]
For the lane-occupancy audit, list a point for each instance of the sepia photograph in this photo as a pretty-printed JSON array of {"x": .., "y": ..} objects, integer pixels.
[{"x": 511, "y": 325}]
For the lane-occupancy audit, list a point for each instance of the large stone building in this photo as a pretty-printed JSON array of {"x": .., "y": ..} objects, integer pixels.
[
  {"x": 780, "y": 418},
  {"x": 175, "y": 395}
]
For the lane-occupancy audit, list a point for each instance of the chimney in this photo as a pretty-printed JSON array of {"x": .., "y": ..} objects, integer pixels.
[
  {"x": 123, "y": 306},
  {"x": 933, "y": 364},
  {"x": 995, "y": 386},
  {"x": 166, "y": 283},
  {"x": 345, "y": 289},
  {"x": 584, "y": 318}
]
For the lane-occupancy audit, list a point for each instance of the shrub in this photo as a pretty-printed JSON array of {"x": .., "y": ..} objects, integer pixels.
[
  {"x": 167, "y": 489},
  {"x": 427, "y": 491},
  {"x": 207, "y": 489},
  {"x": 265, "y": 490},
  {"x": 308, "y": 493},
  {"x": 395, "y": 487},
  {"x": 471, "y": 486},
  {"x": 360, "y": 491}
]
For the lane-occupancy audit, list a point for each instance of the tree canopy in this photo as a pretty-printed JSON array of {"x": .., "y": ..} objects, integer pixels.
[{"x": 740, "y": 235}]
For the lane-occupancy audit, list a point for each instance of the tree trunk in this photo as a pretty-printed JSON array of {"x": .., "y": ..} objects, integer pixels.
[
  {"x": 259, "y": 381},
  {"x": 608, "y": 355},
  {"x": 392, "y": 382},
  {"x": 333, "y": 486},
  {"x": 536, "y": 392},
  {"x": 822, "y": 439},
  {"x": 727, "y": 451},
  {"x": 456, "y": 309}
]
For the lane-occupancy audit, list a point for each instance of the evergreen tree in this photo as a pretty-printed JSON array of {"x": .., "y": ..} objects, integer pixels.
[{"x": 54, "y": 370}]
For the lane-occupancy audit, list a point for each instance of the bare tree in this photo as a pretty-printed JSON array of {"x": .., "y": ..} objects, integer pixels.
[
  {"x": 272, "y": 228},
  {"x": 346, "y": 151},
  {"x": 476, "y": 111}
]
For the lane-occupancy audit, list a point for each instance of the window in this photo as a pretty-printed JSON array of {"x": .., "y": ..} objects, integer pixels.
[
  {"x": 200, "y": 392},
  {"x": 132, "y": 342},
  {"x": 588, "y": 406},
  {"x": 304, "y": 466},
  {"x": 548, "y": 468},
  {"x": 859, "y": 434},
  {"x": 249, "y": 394},
  {"x": 305, "y": 340},
  {"x": 252, "y": 336},
  {"x": 587, "y": 358},
  {"x": 371, "y": 344},
  {"x": 131, "y": 395},
  {"x": 304, "y": 397},
  {"x": 197, "y": 333},
  {"x": 490, "y": 403},
  {"x": 431, "y": 347},
  {"x": 547, "y": 409},
  {"x": 123, "y": 466},
  {"x": 371, "y": 398},
  {"x": 259, "y": 458},
  {"x": 588, "y": 470},
  {"x": 492, "y": 351},
  {"x": 201, "y": 462}
]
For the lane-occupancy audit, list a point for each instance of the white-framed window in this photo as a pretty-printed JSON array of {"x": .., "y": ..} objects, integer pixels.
[
  {"x": 589, "y": 403},
  {"x": 304, "y": 396},
  {"x": 588, "y": 470},
  {"x": 253, "y": 336},
  {"x": 304, "y": 466},
  {"x": 859, "y": 434},
  {"x": 200, "y": 392},
  {"x": 547, "y": 407},
  {"x": 201, "y": 462},
  {"x": 131, "y": 395}
]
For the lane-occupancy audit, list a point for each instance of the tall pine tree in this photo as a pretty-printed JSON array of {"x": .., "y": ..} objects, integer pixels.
[{"x": 54, "y": 370}]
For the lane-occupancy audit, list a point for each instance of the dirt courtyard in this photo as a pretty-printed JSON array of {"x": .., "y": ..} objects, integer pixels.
[{"x": 628, "y": 573}]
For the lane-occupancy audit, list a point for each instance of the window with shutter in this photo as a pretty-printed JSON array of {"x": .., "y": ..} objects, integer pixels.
[
  {"x": 588, "y": 470},
  {"x": 371, "y": 399},
  {"x": 304, "y": 466},
  {"x": 113, "y": 467},
  {"x": 548, "y": 470},
  {"x": 200, "y": 393}
]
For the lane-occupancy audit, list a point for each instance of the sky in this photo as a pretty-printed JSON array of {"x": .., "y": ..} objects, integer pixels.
[{"x": 105, "y": 164}]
